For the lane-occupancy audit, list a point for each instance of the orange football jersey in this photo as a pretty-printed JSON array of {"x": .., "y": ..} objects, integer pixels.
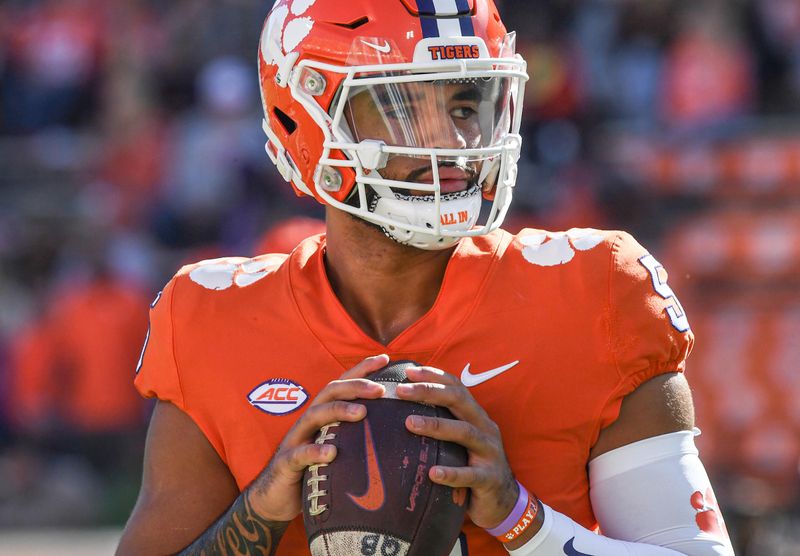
[{"x": 243, "y": 345}]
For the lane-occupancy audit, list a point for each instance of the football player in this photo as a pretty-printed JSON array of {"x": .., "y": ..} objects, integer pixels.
[{"x": 561, "y": 354}]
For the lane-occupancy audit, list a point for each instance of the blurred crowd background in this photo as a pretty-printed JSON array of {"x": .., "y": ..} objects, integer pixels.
[{"x": 130, "y": 144}]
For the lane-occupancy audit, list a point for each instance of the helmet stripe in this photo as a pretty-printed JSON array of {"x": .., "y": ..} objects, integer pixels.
[
  {"x": 429, "y": 27},
  {"x": 467, "y": 29},
  {"x": 426, "y": 7},
  {"x": 445, "y": 8},
  {"x": 449, "y": 26},
  {"x": 426, "y": 10},
  {"x": 436, "y": 18},
  {"x": 462, "y": 6}
]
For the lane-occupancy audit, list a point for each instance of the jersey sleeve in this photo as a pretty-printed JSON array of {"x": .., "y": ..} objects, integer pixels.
[
  {"x": 157, "y": 372},
  {"x": 649, "y": 330}
]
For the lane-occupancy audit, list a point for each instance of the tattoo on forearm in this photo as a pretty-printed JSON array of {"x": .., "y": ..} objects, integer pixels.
[{"x": 240, "y": 531}]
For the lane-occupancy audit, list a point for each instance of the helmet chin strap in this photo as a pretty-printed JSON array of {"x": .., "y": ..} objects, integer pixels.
[{"x": 458, "y": 212}]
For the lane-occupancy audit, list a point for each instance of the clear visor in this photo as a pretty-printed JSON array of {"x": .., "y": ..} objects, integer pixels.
[
  {"x": 466, "y": 113},
  {"x": 424, "y": 137}
]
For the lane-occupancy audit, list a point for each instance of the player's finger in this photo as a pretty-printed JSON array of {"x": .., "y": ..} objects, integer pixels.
[
  {"x": 469, "y": 477},
  {"x": 427, "y": 373},
  {"x": 320, "y": 415},
  {"x": 300, "y": 457},
  {"x": 349, "y": 390},
  {"x": 367, "y": 366},
  {"x": 459, "y": 432},
  {"x": 455, "y": 398}
]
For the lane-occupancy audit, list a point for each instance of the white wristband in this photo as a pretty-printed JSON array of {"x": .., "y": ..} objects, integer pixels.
[{"x": 561, "y": 535}]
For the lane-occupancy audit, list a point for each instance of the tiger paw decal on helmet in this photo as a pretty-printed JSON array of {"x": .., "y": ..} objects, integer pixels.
[{"x": 288, "y": 16}]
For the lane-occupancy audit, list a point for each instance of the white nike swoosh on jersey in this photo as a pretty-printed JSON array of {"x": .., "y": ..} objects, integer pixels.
[
  {"x": 385, "y": 48},
  {"x": 469, "y": 379}
]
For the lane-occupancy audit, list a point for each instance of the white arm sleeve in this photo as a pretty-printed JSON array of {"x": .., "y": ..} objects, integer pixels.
[{"x": 651, "y": 498}]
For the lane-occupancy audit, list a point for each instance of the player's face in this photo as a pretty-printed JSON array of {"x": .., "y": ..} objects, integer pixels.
[{"x": 431, "y": 115}]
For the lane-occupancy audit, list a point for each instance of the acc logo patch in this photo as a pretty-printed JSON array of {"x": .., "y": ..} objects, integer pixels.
[{"x": 278, "y": 396}]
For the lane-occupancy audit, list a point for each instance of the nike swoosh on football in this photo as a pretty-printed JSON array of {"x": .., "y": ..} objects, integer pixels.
[
  {"x": 385, "y": 48},
  {"x": 470, "y": 379},
  {"x": 374, "y": 497},
  {"x": 570, "y": 550}
]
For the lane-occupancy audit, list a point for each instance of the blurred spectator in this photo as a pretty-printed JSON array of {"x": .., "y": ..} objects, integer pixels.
[
  {"x": 32, "y": 389},
  {"x": 133, "y": 156},
  {"x": 55, "y": 52},
  {"x": 214, "y": 147},
  {"x": 553, "y": 90},
  {"x": 708, "y": 70},
  {"x": 636, "y": 62},
  {"x": 78, "y": 425},
  {"x": 775, "y": 26},
  {"x": 71, "y": 371},
  {"x": 5, "y": 397},
  {"x": 97, "y": 331},
  {"x": 199, "y": 31}
]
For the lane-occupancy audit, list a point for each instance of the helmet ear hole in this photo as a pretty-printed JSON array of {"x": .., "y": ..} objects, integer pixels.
[
  {"x": 287, "y": 123},
  {"x": 354, "y": 24}
]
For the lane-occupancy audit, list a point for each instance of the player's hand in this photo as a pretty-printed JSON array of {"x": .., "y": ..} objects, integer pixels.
[
  {"x": 276, "y": 493},
  {"x": 487, "y": 474}
]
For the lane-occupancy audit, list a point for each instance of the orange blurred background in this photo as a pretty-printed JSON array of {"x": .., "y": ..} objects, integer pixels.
[{"x": 130, "y": 144}]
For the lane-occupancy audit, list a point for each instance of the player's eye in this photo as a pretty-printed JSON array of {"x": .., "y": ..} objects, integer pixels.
[{"x": 463, "y": 112}]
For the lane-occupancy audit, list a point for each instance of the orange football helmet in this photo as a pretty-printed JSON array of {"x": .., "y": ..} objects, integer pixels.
[{"x": 405, "y": 113}]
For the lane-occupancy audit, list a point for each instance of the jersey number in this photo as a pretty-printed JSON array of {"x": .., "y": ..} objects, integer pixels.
[{"x": 675, "y": 310}]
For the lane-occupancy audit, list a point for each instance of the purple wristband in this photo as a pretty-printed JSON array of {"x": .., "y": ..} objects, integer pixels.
[{"x": 513, "y": 517}]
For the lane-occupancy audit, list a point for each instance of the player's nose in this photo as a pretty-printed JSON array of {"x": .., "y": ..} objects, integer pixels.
[{"x": 447, "y": 135}]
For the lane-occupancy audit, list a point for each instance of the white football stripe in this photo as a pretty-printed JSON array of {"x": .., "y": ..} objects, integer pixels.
[
  {"x": 449, "y": 27},
  {"x": 445, "y": 7},
  {"x": 342, "y": 542}
]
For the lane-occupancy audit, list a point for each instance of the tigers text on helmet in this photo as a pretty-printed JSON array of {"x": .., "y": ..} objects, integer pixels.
[{"x": 405, "y": 113}]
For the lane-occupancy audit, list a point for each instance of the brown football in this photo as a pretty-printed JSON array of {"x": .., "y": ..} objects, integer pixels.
[{"x": 375, "y": 498}]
